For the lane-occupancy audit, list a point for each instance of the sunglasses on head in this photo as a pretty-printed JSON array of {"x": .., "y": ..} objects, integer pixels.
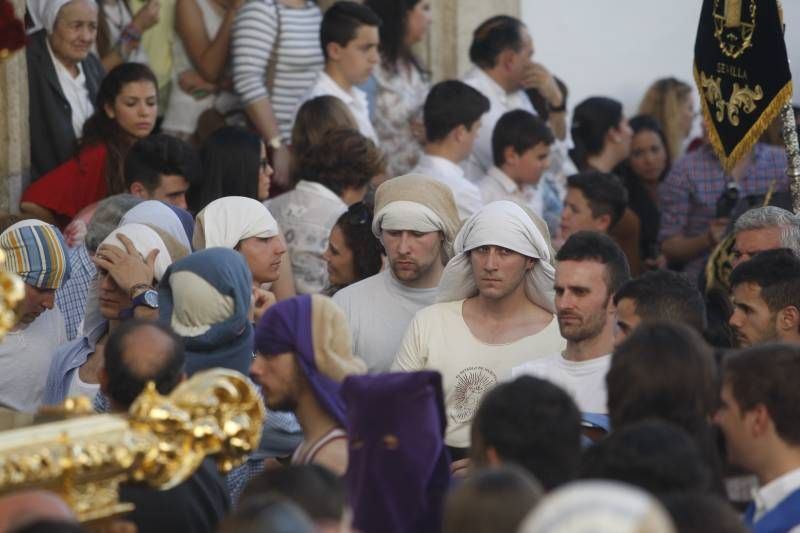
[{"x": 358, "y": 214}]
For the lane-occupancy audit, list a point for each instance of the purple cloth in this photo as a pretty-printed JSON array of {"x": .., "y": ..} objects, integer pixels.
[
  {"x": 286, "y": 327},
  {"x": 399, "y": 468}
]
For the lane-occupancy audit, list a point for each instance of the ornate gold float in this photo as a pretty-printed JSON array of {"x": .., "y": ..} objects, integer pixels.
[{"x": 161, "y": 441}]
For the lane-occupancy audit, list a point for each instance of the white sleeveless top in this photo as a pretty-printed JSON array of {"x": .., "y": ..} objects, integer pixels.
[{"x": 183, "y": 110}]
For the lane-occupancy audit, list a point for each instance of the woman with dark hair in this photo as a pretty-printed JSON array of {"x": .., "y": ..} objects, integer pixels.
[
  {"x": 402, "y": 81},
  {"x": 641, "y": 173},
  {"x": 353, "y": 251},
  {"x": 602, "y": 138},
  {"x": 125, "y": 111},
  {"x": 234, "y": 162}
]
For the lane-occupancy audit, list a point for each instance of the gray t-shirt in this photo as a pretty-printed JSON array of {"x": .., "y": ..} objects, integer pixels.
[
  {"x": 379, "y": 310},
  {"x": 25, "y": 357}
]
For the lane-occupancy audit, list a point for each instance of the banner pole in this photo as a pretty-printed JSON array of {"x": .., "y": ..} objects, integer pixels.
[{"x": 789, "y": 130}]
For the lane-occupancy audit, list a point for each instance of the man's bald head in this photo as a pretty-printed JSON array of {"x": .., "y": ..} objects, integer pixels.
[
  {"x": 21, "y": 509},
  {"x": 138, "y": 352}
]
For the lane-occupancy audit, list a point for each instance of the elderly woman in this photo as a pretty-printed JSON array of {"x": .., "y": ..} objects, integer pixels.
[{"x": 63, "y": 78}]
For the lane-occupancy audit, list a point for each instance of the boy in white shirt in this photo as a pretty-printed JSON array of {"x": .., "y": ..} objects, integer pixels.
[
  {"x": 521, "y": 151},
  {"x": 452, "y": 116},
  {"x": 349, "y": 39}
]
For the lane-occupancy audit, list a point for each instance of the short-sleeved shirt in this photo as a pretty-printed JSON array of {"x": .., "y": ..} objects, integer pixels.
[
  {"x": 306, "y": 216},
  {"x": 355, "y": 100},
  {"x": 585, "y": 381},
  {"x": 25, "y": 357},
  {"x": 688, "y": 195},
  {"x": 439, "y": 339},
  {"x": 379, "y": 310}
]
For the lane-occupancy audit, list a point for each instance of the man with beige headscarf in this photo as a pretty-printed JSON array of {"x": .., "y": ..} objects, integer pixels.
[
  {"x": 416, "y": 220},
  {"x": 496, "y": 310}
]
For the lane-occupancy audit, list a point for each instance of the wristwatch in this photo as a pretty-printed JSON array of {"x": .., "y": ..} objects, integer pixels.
[
  {"x": 275, "y": 142},
  {"x": 148, "y": 298}
]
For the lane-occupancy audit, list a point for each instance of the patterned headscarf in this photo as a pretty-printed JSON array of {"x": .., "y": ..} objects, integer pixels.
[{"x": 36, "y": 252}]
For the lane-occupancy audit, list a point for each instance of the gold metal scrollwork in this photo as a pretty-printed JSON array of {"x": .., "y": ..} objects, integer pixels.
[
  {"x": 161, "y": 442},
  {"x": 743, "y": 99},
  {"x": 733, "y": 31}
]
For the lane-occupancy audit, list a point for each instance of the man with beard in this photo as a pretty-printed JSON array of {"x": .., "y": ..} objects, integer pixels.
[
  {"x": 416, "y": 220},
  {"x": 591, "y": 267},
  {"x": 495, "y": 311},
  {"x": 303, "y": 354},
  {"x": 766, "y": 298}
]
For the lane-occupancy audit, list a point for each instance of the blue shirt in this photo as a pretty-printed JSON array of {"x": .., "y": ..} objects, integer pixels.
[
  {"x": 71, "y": 296},
  {"x": 67, "y": 359}
]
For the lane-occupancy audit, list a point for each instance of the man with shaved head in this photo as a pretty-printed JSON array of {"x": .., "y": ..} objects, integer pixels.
[{"x": 138, "y": 352}]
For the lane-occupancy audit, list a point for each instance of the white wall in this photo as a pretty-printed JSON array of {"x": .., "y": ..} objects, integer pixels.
[{"x": 618, "y": 47}]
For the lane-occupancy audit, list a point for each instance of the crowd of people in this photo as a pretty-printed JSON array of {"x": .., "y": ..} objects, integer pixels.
[{"x": 470, "y": 306}]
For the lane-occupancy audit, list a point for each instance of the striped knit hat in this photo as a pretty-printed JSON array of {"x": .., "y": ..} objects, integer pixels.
[{"x": 36, "y": 252}]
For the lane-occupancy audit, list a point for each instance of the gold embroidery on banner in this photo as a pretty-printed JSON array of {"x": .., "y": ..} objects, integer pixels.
[
  {"x": 734, "y": 25},
  {"x": 743, "y": 98}
]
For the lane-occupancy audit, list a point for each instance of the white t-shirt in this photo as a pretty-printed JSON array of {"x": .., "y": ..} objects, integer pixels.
[
  {"x": 585, "y": 381},
  {"x": 355, "y": 100},
  {"x": 25, "y": 357},
  {"x": 467, "y": 196},
  {"x": 379, "y": 310},
  {"x": 439, "y": 339},
  {"x": 78, "y": 387}
]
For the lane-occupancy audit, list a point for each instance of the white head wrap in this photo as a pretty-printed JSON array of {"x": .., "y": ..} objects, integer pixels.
[
  {"x": 503, "y": 224},
  {"x": 226, "y": 221},
  {"x": 145, "y": 240},
  {"x": 159, "y": 215},
  {"x": 598, "y": 507},
  {"x": 45, "y": 12}
]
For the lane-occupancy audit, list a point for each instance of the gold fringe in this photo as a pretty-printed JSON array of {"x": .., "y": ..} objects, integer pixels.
[{"x": 753, "y": 134}]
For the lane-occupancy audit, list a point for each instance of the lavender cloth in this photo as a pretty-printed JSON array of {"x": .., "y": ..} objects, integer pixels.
[
  {"x": 399, "y": 468},
  {"x": 287, "y": 327}
]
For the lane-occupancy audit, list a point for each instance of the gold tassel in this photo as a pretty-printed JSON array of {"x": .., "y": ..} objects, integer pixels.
[{"x": 752, "y": 136}]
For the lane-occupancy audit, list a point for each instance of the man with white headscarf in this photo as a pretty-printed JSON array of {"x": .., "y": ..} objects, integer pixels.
[
  {"x": 416, "y": 220},
  {"x": 63, "y": 78},
  {"x": 34, "y": 251},
  {"x": 495, "y": 311},
  {"x": 130, "y": 262}
]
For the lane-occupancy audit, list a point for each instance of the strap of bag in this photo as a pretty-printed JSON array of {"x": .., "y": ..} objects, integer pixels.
[{"x": 272, "y": 65}]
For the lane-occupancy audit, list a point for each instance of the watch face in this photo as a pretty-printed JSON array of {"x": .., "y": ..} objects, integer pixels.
[{"x": 151, "y": 299}]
